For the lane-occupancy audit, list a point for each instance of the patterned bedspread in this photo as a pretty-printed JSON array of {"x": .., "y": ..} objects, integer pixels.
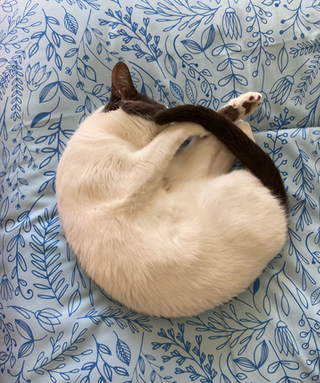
[{"x": 56, "y": 58}]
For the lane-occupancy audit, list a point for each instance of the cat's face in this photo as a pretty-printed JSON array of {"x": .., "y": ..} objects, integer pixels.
[{"x": 125, "y": 96}]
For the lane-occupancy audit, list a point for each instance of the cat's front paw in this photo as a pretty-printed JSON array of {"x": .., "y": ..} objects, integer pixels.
[{"x": 246, "y": 104}]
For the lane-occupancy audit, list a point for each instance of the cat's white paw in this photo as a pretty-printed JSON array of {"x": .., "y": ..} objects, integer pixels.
[{"x": 247, "y": 103}]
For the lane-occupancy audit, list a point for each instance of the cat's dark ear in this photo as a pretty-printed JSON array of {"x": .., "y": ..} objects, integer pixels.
[{"x": 122, "y": 85}]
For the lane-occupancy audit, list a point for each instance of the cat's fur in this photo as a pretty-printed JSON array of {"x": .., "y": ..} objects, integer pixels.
[{"x": 169, "y": 232}]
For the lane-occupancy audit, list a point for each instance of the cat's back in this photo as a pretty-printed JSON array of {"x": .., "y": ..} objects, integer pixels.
[{"x": 95, "y": 156}]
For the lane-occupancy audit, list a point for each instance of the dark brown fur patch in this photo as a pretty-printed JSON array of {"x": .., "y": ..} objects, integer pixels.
[
  {"x": 230, "y": 112},
  {"x": 125, "y": 96},
  {"x": 246, "y": 150},
  {"x": 145, "y": 109}
]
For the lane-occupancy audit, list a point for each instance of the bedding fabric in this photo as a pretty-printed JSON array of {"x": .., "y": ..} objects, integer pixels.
[{"x": 56, "y": 58}]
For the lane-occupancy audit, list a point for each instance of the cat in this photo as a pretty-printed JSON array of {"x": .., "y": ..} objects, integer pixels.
[{"x": 153, "y": 211}]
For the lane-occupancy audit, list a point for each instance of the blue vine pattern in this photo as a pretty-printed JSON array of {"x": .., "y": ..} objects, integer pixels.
[{"x": 56, "y": 59}]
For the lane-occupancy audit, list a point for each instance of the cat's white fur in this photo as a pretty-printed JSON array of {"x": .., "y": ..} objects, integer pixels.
[{"x": 165, "y": 234}]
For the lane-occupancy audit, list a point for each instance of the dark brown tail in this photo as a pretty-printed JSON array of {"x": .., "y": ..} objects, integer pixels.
[{"x": 247, "y": 151}]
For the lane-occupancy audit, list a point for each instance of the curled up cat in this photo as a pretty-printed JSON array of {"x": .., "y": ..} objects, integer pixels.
[{"x": 154, "y": 212}]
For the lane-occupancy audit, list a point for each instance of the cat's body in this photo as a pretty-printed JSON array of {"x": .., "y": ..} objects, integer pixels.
[{"x": 163, "y": 231}]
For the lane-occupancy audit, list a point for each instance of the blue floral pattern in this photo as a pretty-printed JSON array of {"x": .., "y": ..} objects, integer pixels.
[{"x": 56, "y": 58}]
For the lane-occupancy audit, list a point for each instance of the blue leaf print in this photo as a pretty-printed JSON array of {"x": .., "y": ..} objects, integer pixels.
[
  {"x": 52, "y": 20},
  {"x": 142, "y": 365},
  {"x": 120, "y": 371},
  {"x": 33, "y": 49},
  {"x": 191, "y": 91},
  {"x": 4, "y": 209},
  {"x": 123, "y": 351},
  {"x": 285, "y": 305},
  {"x": 315, "y": 297},
  {"x": 267, "y": 304},
  {"x": 88, "y": 366},
  {"x": 97, "y": 89},
  {"x": 192, "y": 46},
  {"x": 48, "y": 318},
  {"x": 245, "y": 364},
  {"x": 68, "y": 90},
  {"x": 90, "y": 73},
  {"x": 68, "y": 39},
  {"x": 70, "y": 22},
  {"x": 176, "y": 91},
  {"x": 207, "y": 37},
  {"x": 223, "y": 65},
  {"x": 217, "y": 50},
  {"x": 23, "y": 329},
  {"x": 283, "y": 58},
  {"x": 48, "y": 92},
  {"x": 261, "y": 353},
  {"x": 103, "y": 349},
  {"x": 256, "y": 286},
  {"x": 225, "y": 379},
  {"x": 22, "y": 311},
  {"x": 74, "y": 301},
  {"x": 171, "y": 65},
  {"x": 26, "y": 349},
  {"x": 187, "y": 56},
  {"x": 302, "y": 298},
  {"x": 56, "y": 39},
  {"x": 71, "y": 52}
]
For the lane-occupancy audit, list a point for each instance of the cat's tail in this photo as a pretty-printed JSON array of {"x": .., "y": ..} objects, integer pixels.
[{"x": 246, "y": 150}]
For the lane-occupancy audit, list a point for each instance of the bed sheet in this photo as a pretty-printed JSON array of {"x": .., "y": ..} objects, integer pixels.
[{"x": 56, "y": 59}]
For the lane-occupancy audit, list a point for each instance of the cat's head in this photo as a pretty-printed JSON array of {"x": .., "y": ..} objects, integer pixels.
[{"x": 125, "y": 96}]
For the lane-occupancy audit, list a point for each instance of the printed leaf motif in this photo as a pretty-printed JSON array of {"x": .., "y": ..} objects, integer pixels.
[
  {"x": 23, "y": 329},
  {"x": 5, "y": 156},
  {"x": 176, "y": 91},
  {"x": 71, "y": 52},
  {"x": 90, "y": 73},
  {"x": 191, "y": 91},
  {"x": 121, "y": 371},
  {"x": 283, "y": 58},
  {"x": 192, "y": 46},
  {"x": 171, "y": 65},
  {"x": 142, "y": 365},
  {"x": 104, "y": 349},
  {"x": 207, "y": 37},
  {"x": 123, "y": 351},
  {"x": 40, "y": 120},
  {"x": 68, "y": 90},
  {"x": 261, "y": 353},
  {"x": 245, "y": 364},
  {"x": 26, "y": 349},
  {"x": 107, "y": 371},
  {"x": 71, "y": 23},
  {"x": 315, "y": 297},
  {"x": 256, "y": 286},
  {"x": 74, "y": 302},
  {"x": 33, "y": 49},
  {"x": 302, "y": 298},
  {"x": 48, "y": 92},
  {"x": 4, "y": 209},
  {"x": 97, "y": 89},
  {"x": 285, "y": 305}
]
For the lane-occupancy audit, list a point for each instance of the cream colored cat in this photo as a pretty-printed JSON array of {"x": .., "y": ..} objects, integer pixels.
[{"x": 166, "y": 228}]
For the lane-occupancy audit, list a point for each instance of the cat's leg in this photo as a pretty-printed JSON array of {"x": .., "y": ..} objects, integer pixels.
[
  {"x": 242, "y": 106},
  {"x": 150, "y": 163},
  {"x": 202, "y": 157}
]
